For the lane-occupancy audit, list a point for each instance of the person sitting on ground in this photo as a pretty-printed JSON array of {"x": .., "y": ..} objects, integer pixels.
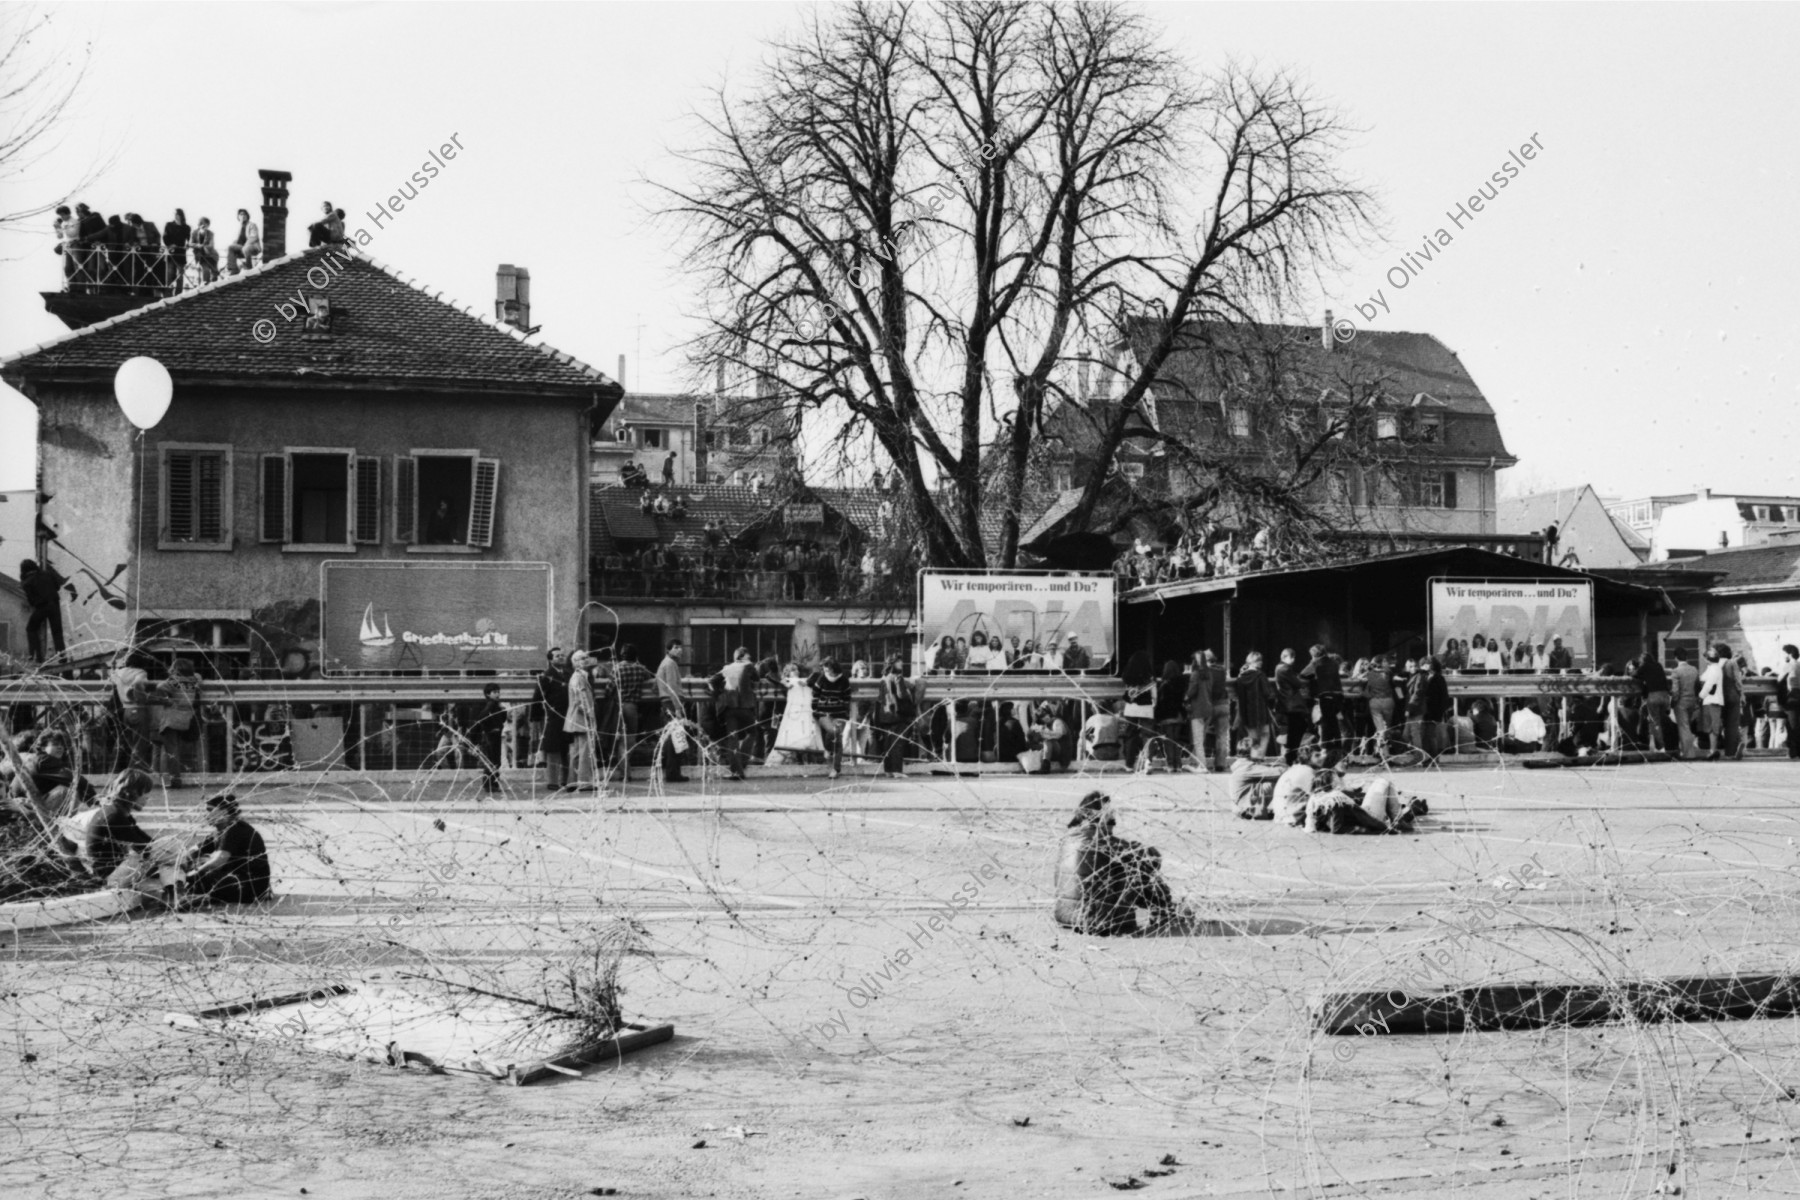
[
  {"x": 231, "y": 866},
  {"x": 1102, "y": 880},
  {"x": 1103, "y": 735},
  {"x": 111, "y": 849},
  {"x": 53, "y": 781},
  {"x": 1336, "y": 808},
  {"x": 1253, "y": 789},
  {"x": 1384, "y": 804},
  {"x": 1294, "y": 789},
  {"x": 1485, "y": 726},
  {"x": 1526, "y": 731},
  {"x": 72, "y": 832}
]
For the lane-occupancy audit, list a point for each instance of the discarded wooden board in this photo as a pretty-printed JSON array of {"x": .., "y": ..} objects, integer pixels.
[
  {"x": 1513, "y": 1006},
  {"x": 442, "y": 1027}
]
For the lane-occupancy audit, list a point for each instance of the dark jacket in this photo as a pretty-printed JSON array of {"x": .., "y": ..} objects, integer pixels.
[
  {"x": 175, "y": 236},
  {"x": 1651, "y": 676},
  {"x": 1254, "y": 692},
  {"x": 41, "y": 585},
  {"x": 1325, "y": 674},
  {"x": 1437, "y": 696},
  {"x": 1292, "y": 689}
]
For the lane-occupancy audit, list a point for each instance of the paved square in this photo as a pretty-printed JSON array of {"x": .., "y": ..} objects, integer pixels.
[{"x": 867, "y": 985}]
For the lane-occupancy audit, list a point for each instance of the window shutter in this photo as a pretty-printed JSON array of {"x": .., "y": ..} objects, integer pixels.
[
  {"x": 276, "y": 508},
  {"x": 406, "y": 498},
  {"x": 178, "y": 520},
  {"x": 482, "y": 501},
  {"x": 209, "y": 506},
  {"x": 1449, "y": 489},
  {"x": 365, "y": 500}
]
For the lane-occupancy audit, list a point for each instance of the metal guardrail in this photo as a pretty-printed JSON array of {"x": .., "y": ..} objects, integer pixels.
[{"x": 999, "y": 685}]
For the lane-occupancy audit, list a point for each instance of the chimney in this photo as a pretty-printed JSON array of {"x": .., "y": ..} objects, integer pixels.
[
  {"x": 274, "y": 213},
  {"x": 512, "y": 297},
  {"x": 1330, "y": 341},
  {"x": 621, "y": 370}
]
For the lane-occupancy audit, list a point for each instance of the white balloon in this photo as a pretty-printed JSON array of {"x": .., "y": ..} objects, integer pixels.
[{"x": 143, "y": 389}]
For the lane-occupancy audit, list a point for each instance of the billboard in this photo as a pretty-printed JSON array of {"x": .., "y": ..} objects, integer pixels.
[
  {"x": 1033, "y": 606},
  {"x": 1509, "y": 612},
  {"x": 433, "y": 616}
]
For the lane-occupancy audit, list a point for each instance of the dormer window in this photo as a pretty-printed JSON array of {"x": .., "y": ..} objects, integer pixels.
[
  {"x": 1430, "y": 429},
  {"x": 1239, "y": 417},
  {"x": 1386, "y": 427}
]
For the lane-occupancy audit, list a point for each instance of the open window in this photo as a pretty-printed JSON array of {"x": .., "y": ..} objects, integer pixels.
[
  {"x": 446, "y": 498},
  {"x": 310, "y": 498}
]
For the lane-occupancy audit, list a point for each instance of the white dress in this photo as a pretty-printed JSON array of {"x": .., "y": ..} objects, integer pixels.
[{"x": 799, "y": 729}]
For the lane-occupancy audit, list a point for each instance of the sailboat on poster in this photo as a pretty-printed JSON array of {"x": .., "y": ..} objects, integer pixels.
[{"x": 374, "y": 638}]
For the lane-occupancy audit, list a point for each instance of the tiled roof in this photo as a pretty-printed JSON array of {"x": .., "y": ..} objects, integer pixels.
[
  {"x": 1412, "y": 366},
  {"x": 386, "y": 328},
  {"x": 1771, "y": 567}
]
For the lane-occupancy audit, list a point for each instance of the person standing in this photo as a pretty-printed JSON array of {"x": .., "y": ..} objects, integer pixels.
[
  {"x": 634, "y": 678},
  {"x": 1139, "y": 708},
  {"x": 1684, "y": 684},
  {"x": 43, "y": 589},
  {"x": 485, "y": 730},
  {"x": 130, "y": 702},
  {"x": 831, "y": 706},
  {"x": 1171, "y": 699},
  {"x": 1437, "y": 706},
  {"x": 1324, "y": 677},
  {"x": 175, "y": 701},
  {"x": 1560, "y": 657},
  {"x": 1255, "y": 694},
  {"x": 1209, "y": 707},
  {"x": 1296, "y": 706},
  {"x": 1734, "y": 701},
  {"x": 206, "y": 255},
  {"x": 1712, "y": 705},
  {"x": 580, "y": 723},
  {"x": 1787, "y": 690},
  {"x": 896, "y": 715},
  {"x": 1379, "y": 685},
  {"x": 553, "y": 698},
  {"x": 1655, "y": 682},
  {"x": 737, "y": 709},
  {"x": 175, "y": 239},
  {"x": 674, "y": 711}
]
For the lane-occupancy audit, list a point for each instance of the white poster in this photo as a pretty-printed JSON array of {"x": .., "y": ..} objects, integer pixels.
[
  {"x": 1016, "y": 610},
  {"x": 1489, "y": 620}
]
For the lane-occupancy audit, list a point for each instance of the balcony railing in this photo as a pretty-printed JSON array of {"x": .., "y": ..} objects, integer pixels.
[{"x": 138, "y": 270}]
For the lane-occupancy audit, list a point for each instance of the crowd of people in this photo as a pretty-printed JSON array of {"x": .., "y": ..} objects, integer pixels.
[
  {"x": 721, "y": 569},
  {"x": 130, "y": 252}
]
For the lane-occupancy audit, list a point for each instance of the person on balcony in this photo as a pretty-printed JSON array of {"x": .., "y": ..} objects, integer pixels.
[
  {"x": 150, "y": 253},
  {"x": 120, "y": 249},
  {"x": 175, "y": 237},
  {"x": 206, "y": 255},
  {"x": 247, "y": 247}
]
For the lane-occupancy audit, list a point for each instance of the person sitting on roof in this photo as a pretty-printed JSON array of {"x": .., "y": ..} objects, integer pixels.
[
  {"x": 1102, "y": 880},
  {"x": 661, "y": 505}
]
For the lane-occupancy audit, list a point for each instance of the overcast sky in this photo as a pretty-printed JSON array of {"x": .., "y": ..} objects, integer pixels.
[{"x": 1628, "y": 304}]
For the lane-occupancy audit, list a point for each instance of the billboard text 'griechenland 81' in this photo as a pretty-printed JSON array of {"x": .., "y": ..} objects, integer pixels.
[
  {"x": 1045, "y": 609},
  {"x": 434, "y": 616}
]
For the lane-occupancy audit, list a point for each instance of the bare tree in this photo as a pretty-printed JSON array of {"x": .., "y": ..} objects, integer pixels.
[
  {"x": 922, "y": 219},
  {"x": 39, "y": 80}
]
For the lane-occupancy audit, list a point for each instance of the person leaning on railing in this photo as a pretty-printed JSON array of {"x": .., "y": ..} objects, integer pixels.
[{"x": 206, "y": 255}]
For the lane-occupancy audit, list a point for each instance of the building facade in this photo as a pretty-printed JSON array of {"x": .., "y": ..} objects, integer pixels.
[
  {"x": 1224, "y": 386},
  {"x": 1683, "y": 524},
  {"x": 381, "y": 425},
  {"x": 1588, "y": 534}
]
